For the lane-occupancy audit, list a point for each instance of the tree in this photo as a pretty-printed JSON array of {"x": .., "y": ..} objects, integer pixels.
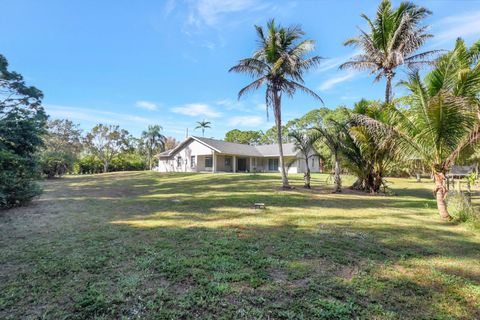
[
  {"x": 304, "y": 144},
  {"x": 153, "y": 142},
  {"x": 250, "y": 137},
  {"x": 170, "y": 143},
  {"x": 279, "y": 63},
  {"x": 203, "y": 125},
  {"x": 105, "y": 142},
  {"x": 443, "y": 121},
  {"x": 330, "y": 131},
  {"x": 22, "y": 124},
  {"x": 393, "y": 39}
]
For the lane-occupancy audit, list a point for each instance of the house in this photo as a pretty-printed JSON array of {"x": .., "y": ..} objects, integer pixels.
[{"x": 197, "y": 154}]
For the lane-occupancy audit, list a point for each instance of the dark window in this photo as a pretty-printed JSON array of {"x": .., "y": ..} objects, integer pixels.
[
  {"x": 179, "y": 161},
  {"x": 273, "y": 164},
  {"x": 228, "y": 162},
  {"x": 208, "y": 162},
  {"x": 192, "y": 161}
]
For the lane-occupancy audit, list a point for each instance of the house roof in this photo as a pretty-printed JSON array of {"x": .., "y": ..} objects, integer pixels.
[
  {"x": 220, "y": 146},
  {"x": 461, "y": 170}
]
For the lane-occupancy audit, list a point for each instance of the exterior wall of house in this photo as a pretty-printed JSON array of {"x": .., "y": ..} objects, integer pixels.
[{"x": 182, "y": 160}]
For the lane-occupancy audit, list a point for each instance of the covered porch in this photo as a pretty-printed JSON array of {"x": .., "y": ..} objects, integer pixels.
[{"x": 228, "y": 163}]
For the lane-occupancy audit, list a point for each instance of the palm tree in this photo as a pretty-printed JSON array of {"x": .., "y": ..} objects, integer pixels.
[
  {"x": 332, "y": 137},
  {"x": 393, "y": 39},
  {"x": 279, "y": 63},
  {"x": 443, "y": 122},
  {"x": 203, "y": 125},
  {"x": 153, "y": 142},
  {"x": 305, "y": 144}
]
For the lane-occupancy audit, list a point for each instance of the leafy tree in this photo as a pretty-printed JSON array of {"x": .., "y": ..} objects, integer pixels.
[
  {"x": 305, "y": 145},
  {"x": 55, "y": 163},
  {"x": 393, "y": 39},
  {"x": 271, "y": 136},
  {"x": 170, "y": 143},
  {"x": 279, "y": 63},
  {"x": 250, "y": 137},
  {"x": 153, "y": 142},
  {"x": 203, "y": 125},
  {"x": 22, "y": 123},
  {"x": 105, "y": 142}
]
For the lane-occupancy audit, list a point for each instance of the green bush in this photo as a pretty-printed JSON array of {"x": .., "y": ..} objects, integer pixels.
[
  {"x": 88, "y": 165},
  {"x": 128, "y": 161},
  {"x": 55, "y": 163},
  {"x": 16, "y": 175},
  {"x": 461, "y": 209}
]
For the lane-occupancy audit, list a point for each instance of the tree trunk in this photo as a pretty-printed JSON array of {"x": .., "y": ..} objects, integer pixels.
[
  {"x": 440, "y": 194},
  {"x": 306, "y": 176},
  {"x": 338, "y": 179},
  {"x": 105, "y": 167},
  {"x": 320, "y": 165},
  {"x": 278, "y": 122},
  {"x": 388, "y": 89}
]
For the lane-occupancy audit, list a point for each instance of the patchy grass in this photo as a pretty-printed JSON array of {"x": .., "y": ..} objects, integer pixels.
[{"x": 148, "y": 245}]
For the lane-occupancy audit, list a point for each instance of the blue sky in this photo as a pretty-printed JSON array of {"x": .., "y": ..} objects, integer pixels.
[{"x": 136, "y": 63}]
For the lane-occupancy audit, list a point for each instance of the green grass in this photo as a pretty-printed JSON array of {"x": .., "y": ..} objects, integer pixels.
[{"x": 148, "y": 245}]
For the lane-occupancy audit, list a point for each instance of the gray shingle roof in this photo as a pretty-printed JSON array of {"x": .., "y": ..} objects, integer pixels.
[{"x": 268, "y": 150}]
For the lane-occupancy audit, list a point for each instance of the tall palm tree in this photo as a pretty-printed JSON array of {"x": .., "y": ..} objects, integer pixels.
[
  {"x": 394, "y": 37},
  {"x": 279, "y": 63},
  {"x": 305, "y": 144},
  {"x": 443, "y": 122},
  {"x": 153, "y": 142},
  {"x": 203, "y": 125}
]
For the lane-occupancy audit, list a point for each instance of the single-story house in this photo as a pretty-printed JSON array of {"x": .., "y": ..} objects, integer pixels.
[{"x": 197, "y": 154}]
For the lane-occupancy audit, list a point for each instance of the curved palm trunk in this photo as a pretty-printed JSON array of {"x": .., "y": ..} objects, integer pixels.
[
  {"x": 440, "y": 194},
  {"x": 338, "y": 179},
  {"x": 307, "y": 175},
  {"x": 277, "y": 110}
]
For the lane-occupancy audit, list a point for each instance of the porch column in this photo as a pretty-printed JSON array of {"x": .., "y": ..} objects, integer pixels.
[
  {"x": 234, "y": 164},
  {"x": 214, "y": 162},
  {"x": 251, "y": 165}
]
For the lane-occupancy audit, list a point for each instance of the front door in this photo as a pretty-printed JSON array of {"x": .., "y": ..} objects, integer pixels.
[{"x": 242, "y": 164}]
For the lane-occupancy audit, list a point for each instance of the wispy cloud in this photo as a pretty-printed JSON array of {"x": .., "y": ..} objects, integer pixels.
[
  {"x": 93, "y": 115},
  {"x": 331, "y": 63},
  {"x": 197, "y": 109},
  {"x": 330, "y": 83},
  {"x": 246, "y": 121},
  {"x": 147, "y": 105},
  {"x": 465, "y": 25}
]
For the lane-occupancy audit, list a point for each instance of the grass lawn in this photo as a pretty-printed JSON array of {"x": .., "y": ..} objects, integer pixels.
[{"x": 150, "y": 245}]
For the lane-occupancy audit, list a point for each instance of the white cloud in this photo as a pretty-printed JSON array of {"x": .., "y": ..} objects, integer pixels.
[
  {"x": 147, "y": 105},
  {"x": 93, "y": 115},
  {"x": 197, "y": 109},
  {"x": 230, "y": 104},
  {"x": 330, "y": 83},
  {"x": 247, "y": 121},
  {"x": 331, "y": 63},
  {"x": 209, "y": 12},
  {"x": 465, "y": 25}
]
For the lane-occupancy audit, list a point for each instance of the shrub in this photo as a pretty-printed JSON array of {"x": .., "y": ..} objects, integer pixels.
[
  {"x": 461, "y": 209},
  {"x": 16, "y": 175},
  {"x": 56, "y": 163}
]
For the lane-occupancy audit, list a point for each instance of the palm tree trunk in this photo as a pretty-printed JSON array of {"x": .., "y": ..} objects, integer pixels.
[
  {"x": 388, "y": 89},
  {"x": 440, "y": 194},
  {"x": 338, "y": 179},
  {"x": 307, "y": 174},
  {"x": 277, "y": 110}
]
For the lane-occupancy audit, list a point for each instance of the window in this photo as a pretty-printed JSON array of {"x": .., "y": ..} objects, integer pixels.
[
  {"x": 228, "y": 162},
  {"x": 273, "y": 164},
  {"x": 208, "y": 162},
  {"x": 179, "y": 161},
  {"x": 192, "y": 162}
]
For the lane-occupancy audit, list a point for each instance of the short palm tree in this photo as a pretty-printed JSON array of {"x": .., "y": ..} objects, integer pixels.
[
  {"x": 332, "y": 137},
  {"x": 279, "y": 63},
  {"x": 394, "y": 37},
  {"x": 443, "y": 121},
  {"x": 203, "y": 125},
  {"x": 153, "y": 142},
  {"x": 305, "y": 144}
]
